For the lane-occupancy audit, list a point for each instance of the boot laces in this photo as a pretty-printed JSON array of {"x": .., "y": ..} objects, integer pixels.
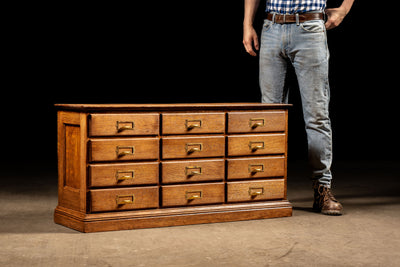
[{"x": 326, "y": 194}]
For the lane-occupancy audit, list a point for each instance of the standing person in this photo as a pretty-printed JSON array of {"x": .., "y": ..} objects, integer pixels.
[{"x": 294, "y": 32}]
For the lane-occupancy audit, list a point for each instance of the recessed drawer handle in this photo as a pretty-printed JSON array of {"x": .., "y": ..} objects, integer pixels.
[
  {"x": 191, "y": 195},
  {"x": 125, "y": 199},
  {"x": 130, "y": 176},
  {"x": 193, "y": 147},
  {"x": 125, "y": 150},
  {"x": 255, "y": 145},
  {"x": 190, "y": 124},
  {"x": 256, "y": 191},
  {"x": 125, "y": 125},
  {"x": 254, "y": 168},
  {"x": 193, "y": 170},
  {"x": 256, "y": 122}
]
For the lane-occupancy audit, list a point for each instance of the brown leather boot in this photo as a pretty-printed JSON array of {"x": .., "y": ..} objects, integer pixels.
[{"x": 325, "y": 202}]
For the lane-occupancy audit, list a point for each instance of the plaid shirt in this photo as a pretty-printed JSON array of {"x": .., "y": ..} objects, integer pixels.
[{"x": 295, "y": 6}]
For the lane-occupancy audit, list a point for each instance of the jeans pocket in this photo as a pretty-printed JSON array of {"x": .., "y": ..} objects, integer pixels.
[
  {"x": 267, "y": 25},
  {"x": 313, "y": 26}
]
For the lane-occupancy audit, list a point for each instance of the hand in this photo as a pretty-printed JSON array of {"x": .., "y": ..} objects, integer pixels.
[
  {"x": 335, "y": 17},
  {"x": 250, "y": 38}
]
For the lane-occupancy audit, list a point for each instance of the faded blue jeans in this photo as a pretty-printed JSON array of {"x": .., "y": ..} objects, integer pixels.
[{"x": 303, "y": 45}]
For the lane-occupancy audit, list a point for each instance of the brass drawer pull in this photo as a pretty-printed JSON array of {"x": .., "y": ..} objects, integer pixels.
[
  {"x": 191, "y": 195},
  {"x": 125, "y": 125},
  {"x": 255, "y": 145},
  {"x": 125, "y": 150},
  {"x": 256, "y": 122},
  {"x": 126, "y": 175},
  {"x": 256, "y": 191},
  {"x": 254, "y": 168},
  {"x": 193, "y": 147},
  {"x": 125, "y": 199},
  {"x": 190, "y": 124},
  {"x": 193, "y": 170}
]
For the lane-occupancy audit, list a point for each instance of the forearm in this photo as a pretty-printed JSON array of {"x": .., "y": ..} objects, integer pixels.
[
  {"x": 250, "y": 9},
  {"x": 336, "y": 15},
  {"x": 346, "y": 5},
  {"x": 249, "y": 34}
]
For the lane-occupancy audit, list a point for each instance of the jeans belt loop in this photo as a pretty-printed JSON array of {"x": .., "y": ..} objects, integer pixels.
[
  {"x": 284, "y": 18},
  {"x": 297, "y": 19},
  {"x": 273, "y": 18}
]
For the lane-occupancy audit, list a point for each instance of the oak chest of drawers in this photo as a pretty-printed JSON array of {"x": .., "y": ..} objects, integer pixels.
[{"x": 128, "y": 166}]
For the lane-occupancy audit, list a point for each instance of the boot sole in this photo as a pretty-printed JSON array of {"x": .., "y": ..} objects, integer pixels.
[
  {"x": 332, "y": 212},
  {"x": 315, "y": 208}
]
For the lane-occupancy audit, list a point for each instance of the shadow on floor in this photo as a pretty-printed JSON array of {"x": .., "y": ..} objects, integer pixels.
[{"x": 30, "y": 195}]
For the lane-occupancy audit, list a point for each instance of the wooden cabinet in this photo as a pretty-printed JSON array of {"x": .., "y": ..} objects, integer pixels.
[{"x": 128, "y": 166}]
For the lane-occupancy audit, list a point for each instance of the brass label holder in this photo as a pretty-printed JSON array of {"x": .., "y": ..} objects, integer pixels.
[
  {"x": 125, "y": 125},
  {"x": 125, "y": 199},
  {"x": 193, "y": 170},
  {"x": 256, "y": 122},
  {"x": 125, "y": 150},
  {"x": 255, "y": 145},
  {"x": 124, "y": 175},
  {"x": 192, "y": 195},
  {"x": 193, "y": 147},
  {"x": 190, "y": 124},
  {"x": 256, "y": 191},
  {"x": 254, "y": 168}
]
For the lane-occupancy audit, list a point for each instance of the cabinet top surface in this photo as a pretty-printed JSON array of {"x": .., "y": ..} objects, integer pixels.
[{"x": 176, "y": 106}]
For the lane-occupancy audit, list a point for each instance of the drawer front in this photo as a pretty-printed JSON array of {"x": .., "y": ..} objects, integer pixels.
[
  {"x": 187, "y": 195},
  {"x": 192, "y": 171},
  {"x": 124, "y": 199},
  {"x": 248, "y": 168},
  {"x": 192, "y": 123},
  {"x": 256, "y": 190},
  {"x": 123, "y": 174},
  {"x": 123, "y": 124},
  {"x": 193, "y": 147},
  {"x": 260, "y": 144},
  {"x": 124, "y": 149},
  {"x": 248, "y": 122}
]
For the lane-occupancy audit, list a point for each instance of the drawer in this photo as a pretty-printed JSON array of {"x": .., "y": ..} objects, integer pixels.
[
  {"x": 124, "y": 199},
  {"x": 239, "y": 145},
  {"x": 123, "y": 174},
  {"x": 193, "y": 170},
  {"x": 124, "y": 149},
  {"x": 248, "y": 122},
  {"x": 123, "y": 124},
  {"x": 256, "y": 190},
  {"x": 187, "y": 195},
  {"x": 193, "y": 147},
  {"x": 192, "y": 123},
  {"x": 246, "y": 168}
]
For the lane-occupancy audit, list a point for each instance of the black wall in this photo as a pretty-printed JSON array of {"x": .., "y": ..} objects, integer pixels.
[{"x": 180, "y": 51}]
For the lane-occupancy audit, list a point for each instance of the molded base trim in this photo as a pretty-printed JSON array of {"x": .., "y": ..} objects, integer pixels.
[{"x": 111, "y": 221}]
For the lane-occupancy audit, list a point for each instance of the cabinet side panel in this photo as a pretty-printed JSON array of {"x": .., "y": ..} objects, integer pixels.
[
  {"x": 69, "y": 159},
  {"x": 72, "y": 156}
]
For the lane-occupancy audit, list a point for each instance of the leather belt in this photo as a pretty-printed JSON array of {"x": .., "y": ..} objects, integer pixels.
[{"x": 291, "y": 18}]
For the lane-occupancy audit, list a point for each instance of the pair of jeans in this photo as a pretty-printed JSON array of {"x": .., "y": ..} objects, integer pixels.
[{"x": 304, "y": 45}]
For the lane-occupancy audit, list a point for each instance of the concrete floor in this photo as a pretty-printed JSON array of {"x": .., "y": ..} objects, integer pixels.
[{"x": 367, "y": 235}]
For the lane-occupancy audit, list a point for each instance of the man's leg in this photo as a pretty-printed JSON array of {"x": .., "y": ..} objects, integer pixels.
[
  {"x": 273, "y": 64},
  {"x": 310, "y": 55}
]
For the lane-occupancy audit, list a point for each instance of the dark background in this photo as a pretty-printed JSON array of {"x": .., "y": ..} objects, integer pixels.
[{"x": 180, "y": 51}]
